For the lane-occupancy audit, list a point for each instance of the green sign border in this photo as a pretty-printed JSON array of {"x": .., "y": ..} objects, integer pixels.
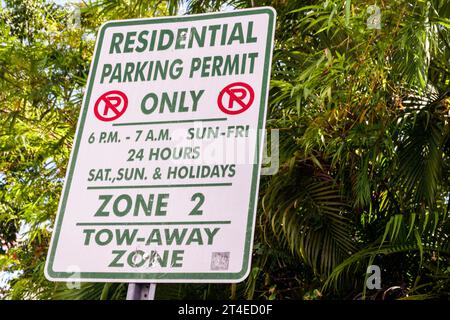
[{"x": 195, "y": 277}]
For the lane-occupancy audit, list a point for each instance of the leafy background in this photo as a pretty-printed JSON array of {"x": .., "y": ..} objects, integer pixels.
[{"x": 363, "y": 115}]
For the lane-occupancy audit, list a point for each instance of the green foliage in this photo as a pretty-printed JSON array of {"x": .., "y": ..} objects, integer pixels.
[
  {"x": 363, "y": 115},
  {"x": 305, "y": 210},
  {"x": 368, "y": 109}
]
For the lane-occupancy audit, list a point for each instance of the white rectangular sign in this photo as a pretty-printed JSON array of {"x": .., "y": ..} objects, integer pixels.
[{"x": 162, "y": 183}]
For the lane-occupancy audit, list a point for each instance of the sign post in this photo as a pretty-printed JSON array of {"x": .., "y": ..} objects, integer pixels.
[
  {"x": 141, "y": 291},
  {"x": 163, "y": 178}
]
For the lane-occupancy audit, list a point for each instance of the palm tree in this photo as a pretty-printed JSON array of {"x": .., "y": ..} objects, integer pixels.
[{"x": 368, "y": 111}]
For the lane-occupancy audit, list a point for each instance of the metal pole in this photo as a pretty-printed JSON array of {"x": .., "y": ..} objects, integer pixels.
[{"x": 141, "y": 291}]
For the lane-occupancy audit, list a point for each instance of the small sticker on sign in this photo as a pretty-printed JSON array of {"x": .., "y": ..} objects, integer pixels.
[{"x": 220, "y": 260}]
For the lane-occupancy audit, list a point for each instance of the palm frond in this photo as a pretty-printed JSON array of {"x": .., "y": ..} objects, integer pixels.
[
  {"x": 306, "y": 213},
  {"x": 422, "y": 133},
  {"x": 423, "y": 233}
]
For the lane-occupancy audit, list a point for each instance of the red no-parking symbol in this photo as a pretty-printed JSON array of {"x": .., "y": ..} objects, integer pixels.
[
  {"x": 235, "y": 98},
  {"x": 110, "y": 105}
]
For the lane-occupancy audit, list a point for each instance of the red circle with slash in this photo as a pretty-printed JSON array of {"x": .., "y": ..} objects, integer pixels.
[
  {"x": 111, "y": 105},
  {"x": 235, "y": 98}
]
